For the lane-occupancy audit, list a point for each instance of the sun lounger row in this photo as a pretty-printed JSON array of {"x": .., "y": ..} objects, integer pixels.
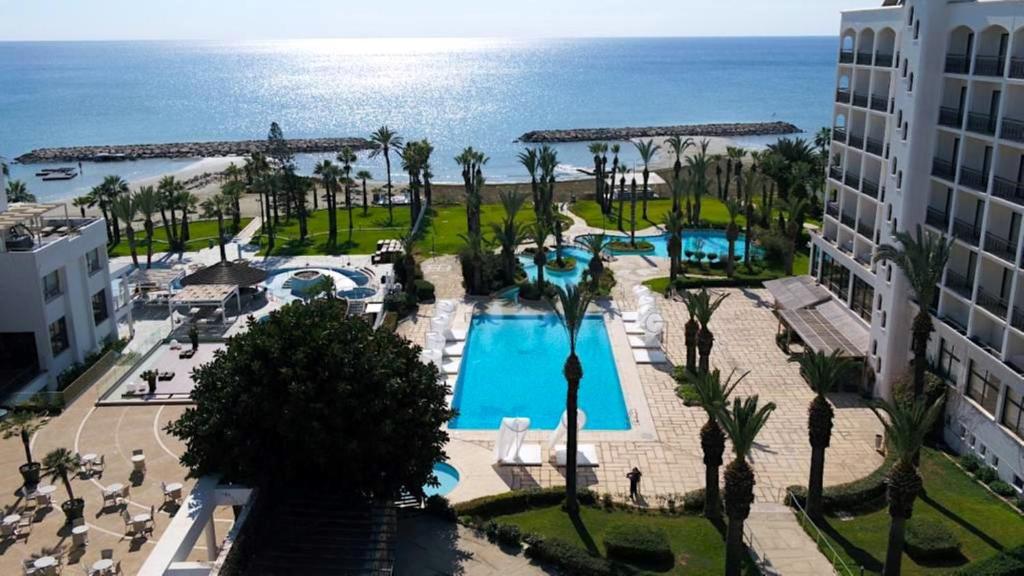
[
  {"x": 444, "y": 345},
  {"x": 510, "y": 448},
  {"x": 645, "y": 328}
]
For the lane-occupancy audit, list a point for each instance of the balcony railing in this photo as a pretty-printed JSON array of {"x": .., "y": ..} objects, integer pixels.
[
  {"x": 988, "y": 66},
  {"x": 883, "y": 60},
  {"x": 959, "y": 283},
  {"x": 852, "y": 180},
  {"x": 860, "y": 100},
  {"x": 966, "y": 231},
  {"x": 879, "y": 103},
  {"x": 1016, "y": 67},
  {"x": 848, "y": 220},
  {"x": 874, "y": 146},
  {"x": 1012, "y": 130},
  {"x": 981, "y": 123},
  {"x": 957, "y": 64},
  {"x": 864, "y": 58},
  {"x": 1017, "y": 318},
  {"x": 839, "y": 134},
  {"x": 937, "y": 218},
  {"x": 866, "y": 230},
  {"x": 943, "y": 169},
  {"x": 994, "y": 304},
  {"x": 843, "y": 96},
  {"x": 1002, "y": 247},
  {"x": 1008, "y": 190},
  {"x": 846, "y": 57},
  {"x": 870, "y": 188},
  {"x": 835, "y": 173},
  {"x": 855, "y": 141},
  {"x": 951, "y": 117},
  {"x": 973, "y": 179},
  {"x": 832, "y": 209}
]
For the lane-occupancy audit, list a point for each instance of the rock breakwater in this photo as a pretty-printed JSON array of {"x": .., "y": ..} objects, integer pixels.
[{"x": 733, "y": 129}]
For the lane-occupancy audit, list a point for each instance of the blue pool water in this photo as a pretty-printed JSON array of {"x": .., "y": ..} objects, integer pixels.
[
  {"x": 707, "y": 240},
  {"x": 513, "y": 367},
  {"x": 562, "y": 279},
  {"x": 447, "y": 475}
]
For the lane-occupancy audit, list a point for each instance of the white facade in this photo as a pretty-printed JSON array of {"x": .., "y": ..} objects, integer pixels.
[{"x": 929, "y": 130}]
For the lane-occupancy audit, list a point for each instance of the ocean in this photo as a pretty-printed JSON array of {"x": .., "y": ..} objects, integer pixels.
[{"x": 456, "y": 92}]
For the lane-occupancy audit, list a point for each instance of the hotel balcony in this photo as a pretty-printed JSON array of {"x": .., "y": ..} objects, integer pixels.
[
  {"x": 860, "y": 100},
  {"x": 992, "y": 303},
  {"x": 846, "y": 57},
  {"x": 1002, "y": 247},
  {"x": 957, "y": 64},
  {"x": 855, "y": 141},
  {"x": 1008, "y": 190},
  {"x": 981, "y": 123},
  {"x": 864, "y": 58},
  {"x": 835, "y": 173},
  {"x": 883, "y": 60},
  {"x": 966, "y": 231},
  {"x": 866, "y": 230},
  {"x": 951, "y": 117},
  {"x": 874, "y": 146},
  {"x": 1016, "y": 67},
  {"x": 1017, "y": 319},
  {"x": 879, "y": 103},
  {"x": 848, "y": 220},
  {"x": 959, "y": 283},
  {"x": 1012, "y": 130},
  {"x": 870, "y": 188},
  {"x": 973, "y": 179},
  {"x": 839, "y": 135},
  {"x": 943, "y": 169},
  {"x": 832, "y": 209},
  {"x": 843, "y": 96},
  {"x": 937, "y": 218},
  {"x": 988, "y": 66},
  {"x": 852, "y": 180}
]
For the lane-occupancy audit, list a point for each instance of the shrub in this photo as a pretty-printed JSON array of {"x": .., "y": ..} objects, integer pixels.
[
  {"x": 438, "y": 505},
  {"x": 930, "y": 541},
  {"x": 568, "y": 264},
  {"x": 509, "y": 535},
  {"x": 424, "y": 291},
  {"x": 986, "y": 474},
  {"x": 401, "y": 303},
  {"x": 693, "y": 501},
  {"x": 970, "y": 462},
  {"x": 607, "y": 502},
  {"x": 641, "y": 545},
  {"x": 1007, "y": 563},
  {"x": 1020, "y": 503},
  {"x": 862, "y": 494},
  {"x": 529, "y": 291},
  {"x": 572, "y": 559},
  {"x": 626, "y": 247},
  {"x": 1003, "y": 489}
]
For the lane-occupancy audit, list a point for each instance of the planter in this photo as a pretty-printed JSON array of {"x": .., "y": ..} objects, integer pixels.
[
  {"x": 73, "y": 509},
  {"x": 568, "y": 265},
  {"x": 627, "y": 248},
  {"x": 30, "y": 473}
]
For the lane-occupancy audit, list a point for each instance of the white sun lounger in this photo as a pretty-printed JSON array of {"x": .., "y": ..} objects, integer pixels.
[
  {"x": 634, "y": 328},
  {"x": 456, "y": 335},
  {"x": 455, "y": 348},
  {"x": 645, "y": 341},
  {"x": 648, "y": 356},
  {"x": 586, "y": 455},
  {"x": 510, "y": 448},
  {"x": 451, "y": 366}
]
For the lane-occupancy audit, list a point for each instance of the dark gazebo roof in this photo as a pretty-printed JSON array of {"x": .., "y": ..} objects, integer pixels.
[{"x": 240, "y": 273}]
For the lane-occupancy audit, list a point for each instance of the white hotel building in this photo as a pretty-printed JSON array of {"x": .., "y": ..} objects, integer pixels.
[
  {"x": 56, "y": 304},
  {"x": 929, "y": 131}
]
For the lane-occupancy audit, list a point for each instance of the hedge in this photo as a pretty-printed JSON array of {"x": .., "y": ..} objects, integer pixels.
[
  {"x": 424, "y": 291},
  {"x": 930, "y": 541},
  {"x": 862, "y": 494},
  {"x": 970, "y": 462},
  {"x": 1002, "y": 489},
  {"x": 571, "y": 558},
  {"x": 643, "y": 545},
  {"x": 518, "y": 501},
  {"x": 1007, "y": 563},
  {"x": 986, "y": 475}
]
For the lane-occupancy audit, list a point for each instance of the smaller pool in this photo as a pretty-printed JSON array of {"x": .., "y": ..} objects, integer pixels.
[
  {"x": 707, "y": 241},
  {"x": 359, "y": 293},
  {"x": 447, "y": 475},
  {"x": 563, "y": 279}
]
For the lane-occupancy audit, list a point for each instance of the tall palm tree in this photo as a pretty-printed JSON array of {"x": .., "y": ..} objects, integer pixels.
[
  {"x": 384, "y": 140},
  {"x": 647, "y": 150},
  {"x": 742, "y": 425},
  {"x": 510, "y": 233},
  {"x": 705, "y": 304},
  {"x": 62, "y": 463},
  {"x": 922, "y": 258},
  {"x": 679, "y": 146},
  {"x": 472, "y": 162},
  {"x": 713, "y": 397},
  {"x": 674, "y": 226},
  {"x": 187, "y": 202},
  {"x": 622, "y": 192},
  {"x": 528, "y": 158},
  {"x": 716, "y": 159},
  {"x": 83, "y": 202},
  {"x": 148, "y": 203},
  {"x": 363, "y": 176},
  {"x": 690, "y": 331},
  {"x": 539, "y": 232},
  {"x": 598, "y": 149},
  {"x": 471, "y": 258},
  {"x": 329, "y": 175},
  {"x": 615, "y": 148},
  {"x": 753, "y": 179},
  {"x": 125, "y": 210},
  {"x": 571, "y": 313},
  {"x": 17, "y": 191},
  {"x": 698, "y": 165},
  {"x": 233, "y": 191},
  {"x": 823, "y": 372},
  {"x": 412, "y": 164},
  {"x": 732, "y": 233},
  {"x": 347, "y": 157},
  {"x": 408, "y": 262},
  {"x": 111, "y": 188},
  {"x": 594, "y": 244},
  {"x": 426, "y": 171},
  {"x": 168, "y": 189},
  {"x": 734, "y": 167},
  {"x": 906, "y": 426},
  {"x": 217, "y": 206},
  {"x": 547, "y": 159}
]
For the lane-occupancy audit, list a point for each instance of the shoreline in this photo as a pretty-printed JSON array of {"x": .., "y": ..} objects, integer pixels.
[{"x": 722, "y": 130}]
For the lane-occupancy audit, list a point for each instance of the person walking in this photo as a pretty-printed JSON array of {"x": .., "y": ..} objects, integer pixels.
[{"x": 634, "y": 484}]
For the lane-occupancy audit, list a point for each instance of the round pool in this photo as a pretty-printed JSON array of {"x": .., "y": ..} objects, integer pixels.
[
  {"x": 357, "y": 293},
  {"x": 289, "y": 284},
  {"x": 447, "y": 475}
]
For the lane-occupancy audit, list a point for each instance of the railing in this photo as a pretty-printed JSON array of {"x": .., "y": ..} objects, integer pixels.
[
  {"x": 994, "y": 304},
  {"x": 846, "y": 57},
  {"x": 951, "y": 117},
  {"x": 883, "y": 60},
  {"x": 835, "y": 173},
  {"x": 1012, "y": 130},
  {"x": 860, "y": 100},
  {"x": 1002, "y": 247},
  {"x": 973, "y": 179},
  {"x": 1017, "y": 318},
  {"x": 981, "y": 123},
  {"x": 52, "y": 293},
  {"x": 88, "y": 378},
  {"x": 1008, "y": 190},
  {"x": 848, "y": 220},
  {"x": 843, "y": 96},
  {"x": 832, "y": 209},
  {"x": 870, "y": 188},
  {"x": 959, "y": 283},
  {"x": 866, "y": 230},
  {"x": 864, "y": 58},
  {"x": 823, "y": 543},
  {"x": 1016, "y": 67},
  {"x": 874, "y": 146},
  {"x": 957, "y": 64},
  {"x": 855, "y": 141},
  {"x": 879, "y": 103},
  {"x": 852, "y": 180},
  {"x": 988, "y": 66},
  {"x": 937, "y": 218},
  {"x": 966, "y": 231},
  {"x": 839, "y": 135},
  {"x": 943, "y": 169},
  {"x": 753, "y": 548}
]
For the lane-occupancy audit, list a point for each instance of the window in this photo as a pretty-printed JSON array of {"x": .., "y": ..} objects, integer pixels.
[
  {"x": 983, "y": 450},
  {"x": 983, "y": 389},
  {"x": 895, "y": 164},
  {"x": 963, "y": 432},
  {"x": 910, "y": 16},
  {"x": 835, "y": 277},
  {"x": 1013, "y": 413},
  {"x": 899, "y": 180},
  {"x": 884, "y": 318},
  {"x": 879, "y": 301},
  {"x": 1018, "y": 482},
  {"x": 51, "y": 285},
  {"x": 949, "y": 363},
  {"x": 995, "y": 461},
  {"x": 970, "y": 440},
  {"x": 905, "y": 67},
  {"x": 906, "y": 128},
  {"x": 99, "y": 307},
  {"x": 92, "y": 260},
  {"x": 899, "y": 118},
  {"x": 888, "y": 213},
  {"x": 910, "y": 83},
  {"x": 863, "y": 294},
  {"x": 874, "y": 347},
  {"x": 917, "y": 29},
  {"x": 58, "y": 336}
]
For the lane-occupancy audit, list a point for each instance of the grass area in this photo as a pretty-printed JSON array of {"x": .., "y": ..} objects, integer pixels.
[
  {"x": 441, "y": 234},
  {"x": 982, "y": 523},
  {"x": 201, "y": 233},
  {"x": 697, "y": 545},
  {"x": 712, "y": 210},
  {"x": 801, "y": 264},
  {"x": 367, "y": 229}
]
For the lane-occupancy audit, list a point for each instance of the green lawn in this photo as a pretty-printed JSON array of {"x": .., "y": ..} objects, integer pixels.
[
  {"x": 441, "y": 234},
  {"x": 698, "y": 547},
  {"x": 201, "y": 233},
  {"x": 367, "y": 230},
  {"x": 983, "y": 524},
  {"x": 712, "y": 210},
  {"x": 801, "y": 265}
]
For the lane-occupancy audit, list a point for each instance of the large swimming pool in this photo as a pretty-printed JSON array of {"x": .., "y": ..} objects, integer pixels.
[
  {"x": 512, "y": 366},
  {"x": 707, "y": 241}
]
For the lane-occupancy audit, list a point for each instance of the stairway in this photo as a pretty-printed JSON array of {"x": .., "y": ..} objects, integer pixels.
[{"x": 780, "y": 541}]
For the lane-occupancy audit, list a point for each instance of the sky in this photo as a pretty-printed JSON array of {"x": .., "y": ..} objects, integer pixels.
[{"x": 269, "y": 19}]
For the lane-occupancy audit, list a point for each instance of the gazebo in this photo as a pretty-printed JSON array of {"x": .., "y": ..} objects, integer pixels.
[
  {"x": 239, "y": 273},
  {"x": 199, "y": 296}
]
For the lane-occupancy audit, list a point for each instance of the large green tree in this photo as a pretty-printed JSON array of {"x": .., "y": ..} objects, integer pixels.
[{"x": 304, "y": 399}]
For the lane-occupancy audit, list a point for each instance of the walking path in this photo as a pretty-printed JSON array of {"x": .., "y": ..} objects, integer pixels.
[{"x": 779, "y": 540}]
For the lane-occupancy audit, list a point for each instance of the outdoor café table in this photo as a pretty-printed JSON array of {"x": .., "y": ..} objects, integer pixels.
[
  {"x": 113, "y": 488},
  {"x": 45, "y": 562},
  {"x": 46, "y": 489},
  {"x": 103, "y": 566},
  {"x": 139, "y": 458},
  {"x": 89, "y": 458}
]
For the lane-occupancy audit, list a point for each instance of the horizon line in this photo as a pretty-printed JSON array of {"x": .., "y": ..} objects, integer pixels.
[{"x": 359, "y": 38}]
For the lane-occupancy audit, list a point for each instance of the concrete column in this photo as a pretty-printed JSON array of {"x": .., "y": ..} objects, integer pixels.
[{"x": 211, "y": 539}]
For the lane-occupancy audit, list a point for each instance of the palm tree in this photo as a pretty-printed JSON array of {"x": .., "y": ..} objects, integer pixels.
[
  {"x": 363, "y": 176},
  {"x": 63, "y": 464},
  {"x": 24, "y": 424},
  {"x": 539, "y": 233},
  {"x": 713, "y": 397},
  {"x": 906, "y": 426},
  {"x": 17, "y": 191},
  {"x": 794, "y": 208},
  {"x": 233, "y": 191},
  {"x": 594, "y": 244},
  {"x": 753, "y": 179},
  {"x": 547, "y": 159},
  {"x": 473, "y": 254},
  {"x": 168, "y": 189},
  {"x": 408, "y": 262},
  {"x": 510, "y": 234},
  {"x": 823, "y": 372},
  {"x": 125, "y": 210},
  {"x": 705, "y": 304},
  {"x": 674, "y": 226},
  {"x": 698, "y": 165},
  {"x": 734, "y": 167},
  {"x": 647, "y": 149},
  {"x": 426, "y": 151},
  {"x": 741, "y": 424},
  {"x": 573, "y": 310},
  {"x": 148, "y": 203},
  {"x": 598, "y": 149},
  {"x": 111, "y": 188},
  {"x": 384, "y": 141},
  {"x": 922, "y": 260},
  {"x": 716, "y": 159},
  {"x": 347, "y": 157},
  {"x": 679, "y": 146},
  {"x": 732, "y": 233},
  {"x": 622, "y": 192},
  {"x": 615, "y": 166},
  {"x": 528, "y": 158},
  {"x": 187, "y": 201},
  {"x": 412, "y": 165},
  {"x": 472, "y": 162},
  {"x": 83, "y": 202},
  {"x": 215, "y": 207},
  {"x": 691, "y": 331},
  {"x": 329, "y": 174}
]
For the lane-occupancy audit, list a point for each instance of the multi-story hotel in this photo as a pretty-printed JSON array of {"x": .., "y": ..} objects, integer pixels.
[
  {"x": 56, "y": 304},
  {"x": 929, "y": 131}
]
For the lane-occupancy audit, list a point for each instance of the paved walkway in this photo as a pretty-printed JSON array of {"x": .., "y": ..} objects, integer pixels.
[
  {"x": 781, "y": 542},
  {"x": 430, "y": 547}
]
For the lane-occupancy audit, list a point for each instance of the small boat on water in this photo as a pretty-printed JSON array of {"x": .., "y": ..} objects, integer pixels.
[
  {"x": 109, "y": 157},
  {"x": 48, "y": 171},
  {"x": 59, "y": 175}
]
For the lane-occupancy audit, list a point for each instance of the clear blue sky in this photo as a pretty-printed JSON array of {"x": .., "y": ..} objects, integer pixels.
[{"x": 259, "y": 19}]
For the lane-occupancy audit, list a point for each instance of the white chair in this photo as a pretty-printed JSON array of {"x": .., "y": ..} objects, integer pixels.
[
  {"x": 435, "y": 341},
  {"x": 640, "y": 290},
  {"x": 98, "y": 465},
  {"x": 586, "y": 454},
  {"x": 510, "y": 449},
  {"x": 445, "y": 306},
  {"x": 171, "y": 493},
  {"x": 636, "y": 315},
  {"x": 638, "y": 326}
]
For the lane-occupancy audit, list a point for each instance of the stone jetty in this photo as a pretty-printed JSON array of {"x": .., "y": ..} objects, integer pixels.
[
  {"x": 734, "y": 129},
  {"x": 184, "y": 150}
]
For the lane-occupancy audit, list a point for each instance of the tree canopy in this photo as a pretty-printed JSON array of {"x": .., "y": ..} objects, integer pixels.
[{"x": 310, "y": 396}]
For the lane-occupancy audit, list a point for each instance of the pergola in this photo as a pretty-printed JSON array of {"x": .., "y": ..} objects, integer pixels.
[
  {"x": 155, "y": 282},
  {"x": 198, "y": 296},
  {"x": 796, "y": 292},
  {"x": 827, "y": 328}
]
